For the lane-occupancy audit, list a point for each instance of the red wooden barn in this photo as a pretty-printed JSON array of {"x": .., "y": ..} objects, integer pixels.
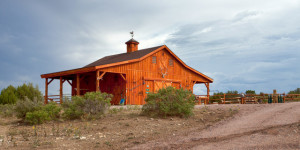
[{"x": 130, "y": 75}]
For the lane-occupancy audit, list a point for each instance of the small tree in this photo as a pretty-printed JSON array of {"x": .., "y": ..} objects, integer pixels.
[
  {"x": 250, "y": 92},
  {"x": 232, "y": 92},
  {"x": 8, "y": 95},
  {"x": 296, "y": 91},
  {"x": 29, "y": 91}
]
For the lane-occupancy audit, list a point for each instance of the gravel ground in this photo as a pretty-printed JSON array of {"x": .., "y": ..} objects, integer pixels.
[{"x": 255, "y": 126}]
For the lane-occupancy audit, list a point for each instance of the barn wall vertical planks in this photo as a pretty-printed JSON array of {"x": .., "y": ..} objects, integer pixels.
[{"x": 138, "y": 71}]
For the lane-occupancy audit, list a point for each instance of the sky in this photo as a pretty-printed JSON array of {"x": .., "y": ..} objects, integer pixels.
[{"x": 241, "y": 44}]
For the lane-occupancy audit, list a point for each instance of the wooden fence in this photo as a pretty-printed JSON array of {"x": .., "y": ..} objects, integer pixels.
[
  {"x": 247, "y": 98},
  {"x": 56, "y": 98},
  {"x": 221, "y": 99}
]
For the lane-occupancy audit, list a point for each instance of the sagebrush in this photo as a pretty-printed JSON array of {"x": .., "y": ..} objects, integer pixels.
[
  {"x": 35, "y": 112},
  {"x": 27, "y": 105},
  {"x": 92, "y": 104},
  {"x": 6, "y": 110}
]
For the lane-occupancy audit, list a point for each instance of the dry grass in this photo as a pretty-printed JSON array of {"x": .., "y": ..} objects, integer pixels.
[{"x": 119, "y": 129}]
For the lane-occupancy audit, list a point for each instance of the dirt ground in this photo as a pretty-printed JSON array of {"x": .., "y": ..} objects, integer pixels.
[
  {"x": 121, "y": 128},
  {"x": 247, "y": 126},
  {"x": 255, "y": 126}
]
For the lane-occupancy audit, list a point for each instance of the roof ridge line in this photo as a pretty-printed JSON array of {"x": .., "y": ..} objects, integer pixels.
[{"x": 122, "y": 57}]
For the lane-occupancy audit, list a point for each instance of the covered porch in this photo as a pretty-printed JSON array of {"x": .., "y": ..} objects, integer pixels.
[
  {"x": 109, "y": 82},
  {"x": 203, "y": 98}
]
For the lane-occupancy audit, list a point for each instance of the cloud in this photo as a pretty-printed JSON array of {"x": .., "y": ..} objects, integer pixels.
[
  {"x": 243, "y": 52},
  {"x": 245, "y": 15},
  {"x": 241, "y": 45}
]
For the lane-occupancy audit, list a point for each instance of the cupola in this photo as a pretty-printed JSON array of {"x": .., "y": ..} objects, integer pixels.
[{"x": 132, "y": 44}]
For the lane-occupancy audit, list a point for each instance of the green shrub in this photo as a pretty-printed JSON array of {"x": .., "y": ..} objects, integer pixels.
[
  {"x": 37, "y": 117},
  {"x": 53, "y": 110},
  {"x": 73, "y": 109},
  {"x": 6, "y": 110},
  {"x": 91, "y": 104},
  {"x": 96, "y": 102},
  {"x": 24, "y": 106},
  {"x": 169, "y": 102}
]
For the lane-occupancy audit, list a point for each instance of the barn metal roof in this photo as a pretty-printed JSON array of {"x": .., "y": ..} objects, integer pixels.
[{"x": 122, "y": 57}]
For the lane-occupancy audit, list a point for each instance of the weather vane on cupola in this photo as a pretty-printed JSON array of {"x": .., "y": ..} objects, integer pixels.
[{"x": 132, "y": 34}]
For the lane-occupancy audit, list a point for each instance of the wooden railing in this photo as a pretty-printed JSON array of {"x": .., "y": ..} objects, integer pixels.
[
  {"x": 246, "y": 98},
  {"x": 220, "y": 99},
  {"x": 202, "y": 99},
  {"x": 292, "y": 97},
  {"x": 56, "y": 98}
]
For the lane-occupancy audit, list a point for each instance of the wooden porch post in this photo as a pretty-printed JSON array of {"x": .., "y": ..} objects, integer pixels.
[
  {"x": 207, "y": 93},
  {"x": 78, "y": 84},
  {"x": 46, "y": 91},
  {"x": 97, "y": 81},
  {"x": 60, "y": 90},
  {"x": 98, "y": 78},
  {"x": 126, "y": 91},
  {"x": 194, "y": 82}
]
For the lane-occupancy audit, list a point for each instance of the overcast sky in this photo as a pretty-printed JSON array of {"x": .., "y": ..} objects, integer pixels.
[{"x": 241, "y": 44}]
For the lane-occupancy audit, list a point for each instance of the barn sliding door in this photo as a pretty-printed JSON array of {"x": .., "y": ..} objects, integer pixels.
[
  {"x": 154, "y": 86},
  {"x": 163, "y": 84}
]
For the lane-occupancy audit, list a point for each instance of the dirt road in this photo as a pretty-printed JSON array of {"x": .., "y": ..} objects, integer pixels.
[{"x": 264, "y": 126}]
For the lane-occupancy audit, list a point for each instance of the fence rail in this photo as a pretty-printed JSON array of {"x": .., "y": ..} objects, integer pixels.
[
  {"x": 247, "y": 98},
  {"x": 56, "y": 98},
  {"x": 220, "y": 99}
]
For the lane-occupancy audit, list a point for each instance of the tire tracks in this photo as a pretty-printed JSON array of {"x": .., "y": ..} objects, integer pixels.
[
  {"x": 250, "y": 121},
  {"x": 199, "y": 141}
]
